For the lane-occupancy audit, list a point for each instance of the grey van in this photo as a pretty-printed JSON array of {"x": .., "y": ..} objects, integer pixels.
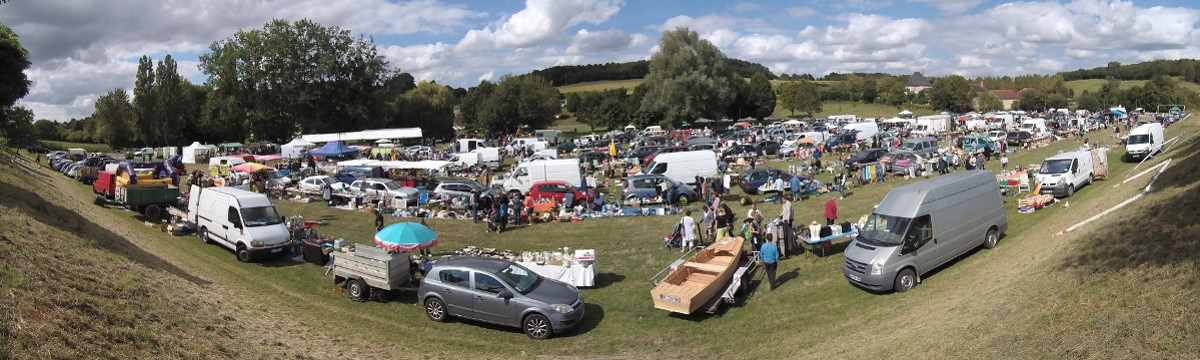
[
  {"x": 920, "y": 226},
  {"x": 925, "y": 146}
]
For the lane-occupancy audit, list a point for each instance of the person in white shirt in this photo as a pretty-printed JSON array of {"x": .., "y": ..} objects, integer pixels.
[
  {"x": 753, "y": 211},
  {"x": 689, "y": 231}
]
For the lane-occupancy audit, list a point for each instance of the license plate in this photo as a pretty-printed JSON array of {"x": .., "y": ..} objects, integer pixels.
[
  {"x": 276, "y": 250},
  {"x": 854, "y": 277}
]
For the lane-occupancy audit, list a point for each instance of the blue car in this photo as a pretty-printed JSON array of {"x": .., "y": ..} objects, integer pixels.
[
  {"x": 649, "y": 186},
  {"x": 753, "y": 179}
]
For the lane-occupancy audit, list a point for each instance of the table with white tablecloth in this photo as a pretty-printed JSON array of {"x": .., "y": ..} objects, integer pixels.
[{"x": 575, "y": 272}]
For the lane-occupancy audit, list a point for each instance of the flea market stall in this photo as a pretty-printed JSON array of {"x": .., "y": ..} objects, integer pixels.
[{"x": 576, "y": 268}]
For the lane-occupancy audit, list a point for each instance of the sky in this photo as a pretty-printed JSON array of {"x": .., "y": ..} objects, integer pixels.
[{"x": 81, "y": 49}]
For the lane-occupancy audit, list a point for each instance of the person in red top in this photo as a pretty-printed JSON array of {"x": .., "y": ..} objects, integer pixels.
[
  {"x": 830, "y": 211},
  {"x": 529, "y": 209}
]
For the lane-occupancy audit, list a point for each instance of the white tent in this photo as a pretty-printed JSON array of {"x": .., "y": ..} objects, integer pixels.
[
  {"x": 295, "y": 148},
  {"x": 398, "y": 133},
  {"x": 196, "y": 151},
  {"x": 793, "y": 122}
]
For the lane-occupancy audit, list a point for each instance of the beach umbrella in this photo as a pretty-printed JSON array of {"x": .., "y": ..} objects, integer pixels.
[
  {"x": 251, "y": 167},
  {"x": 406, "y": 236},
  {"x": 742, "y": 124}
]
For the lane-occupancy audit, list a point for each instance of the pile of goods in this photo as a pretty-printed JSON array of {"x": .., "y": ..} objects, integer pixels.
[{"x": 1033, "y": 202}]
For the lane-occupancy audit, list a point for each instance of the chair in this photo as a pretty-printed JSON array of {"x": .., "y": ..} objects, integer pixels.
[
  {"x": 1023, "y": 183},
  {"x": 424, "y": 199}
]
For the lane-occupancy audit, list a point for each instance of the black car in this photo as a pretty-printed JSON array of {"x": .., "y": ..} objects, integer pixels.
[
  {"x": 741, "y": 149},
  {"x": 865, "y": 157},
  {"x": 766, "y": 147},
  {"x": 841, "y": 139},
  {"x": 592, "y": 156},
  {"x": 1018, "y": 138},
  {"x": 641, "y": 153}
]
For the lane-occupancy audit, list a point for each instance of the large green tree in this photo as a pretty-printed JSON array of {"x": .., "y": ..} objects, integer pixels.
[
  {"x": 430, "y": 107},
  {"x": 516, "y": 101},
  {"x": 989, "y": 102},
  {"x": 14, "y": 85},
  {"x": 687, "y": 79},
  {"x": 144, "y": 103},
  {"x": 115, "y": 117},
  {"x": 47, "y": 130},
  {"x": 952, "y": 93},
  {"x": 295, "y": 77},
  {"x": 762, "y": 96},
  {"x": 800, "y": 95}
]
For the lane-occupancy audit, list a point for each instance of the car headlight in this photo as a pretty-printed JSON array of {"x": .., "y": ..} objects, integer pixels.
[
  {"x": 877, "y": 268},
  {"x": 562, "y": 308}
]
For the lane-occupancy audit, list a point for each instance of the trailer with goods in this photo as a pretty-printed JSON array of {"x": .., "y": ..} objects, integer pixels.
[{"x": 372, "y": 272}]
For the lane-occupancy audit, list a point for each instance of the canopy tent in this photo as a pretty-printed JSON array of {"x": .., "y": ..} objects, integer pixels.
[
  {"x": 412, "y": 165},
  {"x": 742, "y": 124},
  {"x": 333, "y": 148},
  {"x": 265, "y": 158},
  {"x": 906, "y": 112},
  {"x": 190, "y": 152},
  {"x": 359, "y": 162},
  {"x": 399, "y": 133},
  {"x": 295, "y": 148},
  {"x": 230, "y": 145},
  {"x": 793, "y": 122}
]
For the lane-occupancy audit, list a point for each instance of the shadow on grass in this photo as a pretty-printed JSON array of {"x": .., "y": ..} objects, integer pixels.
[
  {"x": 593, "y": 315},
  {"x": 70, "y": 221},
  {"x": 606, "y": 279},
  {"x": 1162, "y": 233}
]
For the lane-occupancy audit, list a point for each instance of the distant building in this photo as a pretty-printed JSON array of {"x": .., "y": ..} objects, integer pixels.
[
  {"x": 917, "y": 82},
  {"x": 1007, "y": 97}
]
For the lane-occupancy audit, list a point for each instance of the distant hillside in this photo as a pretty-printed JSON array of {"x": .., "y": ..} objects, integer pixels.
[
  {"x": 1188, "y": 69},
  {"x": 575, "y": 74}
]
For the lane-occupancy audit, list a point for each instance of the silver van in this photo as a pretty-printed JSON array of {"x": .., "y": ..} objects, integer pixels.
[
  {"x": 925, "y": 146},
  {"x": 920, "y": 226}
]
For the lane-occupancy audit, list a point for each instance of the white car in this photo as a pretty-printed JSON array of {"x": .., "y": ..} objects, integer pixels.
[{"x": 313, "y": 183}]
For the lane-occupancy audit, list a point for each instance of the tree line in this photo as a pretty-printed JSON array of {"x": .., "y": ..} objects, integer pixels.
[{"x": 573, "y": 74}]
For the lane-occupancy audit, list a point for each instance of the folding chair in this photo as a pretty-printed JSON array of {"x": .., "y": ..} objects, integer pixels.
[{"x": 1023, "y": 183}]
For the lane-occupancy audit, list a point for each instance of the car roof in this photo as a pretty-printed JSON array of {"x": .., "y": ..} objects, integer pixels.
[
  {"x": 644, "y": 176},
  {"x": 474, "y": 262},
  {"x": 550, "y": 182}
]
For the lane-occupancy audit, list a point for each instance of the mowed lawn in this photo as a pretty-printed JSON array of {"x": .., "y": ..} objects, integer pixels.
[{"x": 1012, "y": 301}]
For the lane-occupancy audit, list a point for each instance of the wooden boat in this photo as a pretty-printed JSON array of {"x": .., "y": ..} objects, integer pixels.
[{"x": 700, "y": 278}]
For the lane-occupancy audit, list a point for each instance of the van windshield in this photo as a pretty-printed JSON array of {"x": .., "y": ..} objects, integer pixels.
[
  {"x": 884, "y": 230},
  {"x": 260, "y": 216},
  {"x": 909, "y": 145},
  {"x": 1139, "y": 139},
  {"x": 1052, "y": 167}
]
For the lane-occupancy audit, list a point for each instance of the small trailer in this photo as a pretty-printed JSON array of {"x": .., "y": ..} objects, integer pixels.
[
  {"x": 747, "y": 265},
  {"x": 371, "y": 272}
]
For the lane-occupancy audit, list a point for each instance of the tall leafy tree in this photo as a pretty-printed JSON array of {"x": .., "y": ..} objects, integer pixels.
[
  {"x": 741, "y": 106},
  {"x": 47, "y": 130},
  {"x": 1088, "y": 101},
  {"x": 144, "y": 103},
  {"x": 473, "y": 104},
  {"x": 687, "y": 79},
  {"x": 14, "y": 85},
  {"x": 519, "y": 101},
  {"x": 952, "y": 93},
  {"x": 430, "y": 107},
  {"x": 762, "y": 96},
  {"x": 989, "y": 102},
  {"x": 800, "y": 95},
  {"x": 115, "y": 116},
  {"x": 170, "y": 101},
  {"x": 295, "y": 77}
]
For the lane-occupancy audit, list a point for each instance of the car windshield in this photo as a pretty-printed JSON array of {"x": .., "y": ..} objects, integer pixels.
[
  {"x": 275, "y": 175},
  {"x": 476, "y": 186},
  {"x": 391, "y": 185},
  {"x": 1139, "y": 139},
  {"x": 884, "y": 230},
  {"x": 1060, "y": 166},
  {"x": 908, "y": 146},
  {"x": 328, "y": 180},
  {"x": 520, "y": 278},
  {"x": 261, "y": 216}
]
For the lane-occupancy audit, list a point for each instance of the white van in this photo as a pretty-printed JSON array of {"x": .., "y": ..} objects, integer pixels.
[
  {"x": 243, "y": 221},
  {"x": 1003, "y": 122},
  {"x": 1036, "y": 127},
  {"x": 548, "y": 154},
  {"x": 865, "y": 130},
  {"x": 76, "y": 154},
  {"x": 222, "y": 163},
  {"x": 521, "y": 179},
  {"x": 520, "y": 144},
  {"x": 489, "y": 157},
  {"x": 1144, "y": 141},
  {"x": 467, "y": 145},
  {"x": 1062, "y": 174},
  {"x": 922, "y": 225},
  {"x": 684, "y": 167}
]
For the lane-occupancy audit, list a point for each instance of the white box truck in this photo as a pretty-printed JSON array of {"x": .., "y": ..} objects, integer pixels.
[
  {"x": 684, "y": 167},
  {"x": 932, "y": 125},
  {"x": 243, "y": 221},
  {"x": 1144, "y": 141},
  {"x": 922, "y": 225},
  {"x": 864, "y": 130},
  {"x": 1036, "y": 127},
  {"x": 1062, "y": 174},
  {"x": 489, "y": 157},
  {"x": 521, "y": 179}
]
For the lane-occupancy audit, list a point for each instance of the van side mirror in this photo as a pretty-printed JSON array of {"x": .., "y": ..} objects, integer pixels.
[{"x": 505, "y": 294}]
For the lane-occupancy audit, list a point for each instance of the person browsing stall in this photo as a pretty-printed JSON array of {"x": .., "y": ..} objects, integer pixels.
[{"x": 769, "y": 253}]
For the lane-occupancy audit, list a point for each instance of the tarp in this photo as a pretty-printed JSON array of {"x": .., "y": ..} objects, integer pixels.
[{"x": 333, "y": 148}]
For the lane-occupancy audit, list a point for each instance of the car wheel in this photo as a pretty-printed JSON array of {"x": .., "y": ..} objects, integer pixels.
[
  {"x": 905, "y": 281},
  {"x": 1070, "y": 190},
  {"x": 356, "y": 290},
  {"x": 435, "y": 309},
  {"x": 991, "y": 239},
  {"x": 243, "y": 254},
  {"x": 537, "y": 326},
  {"x": 682, "y": 198},
  {"x": 204, "y": 236}
]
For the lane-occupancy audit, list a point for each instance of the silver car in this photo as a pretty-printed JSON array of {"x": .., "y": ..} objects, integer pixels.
[
  {"x": 385, "y": 188},
  {"x": 449, "y": 189},
  {"x": 500, "y": 292}
]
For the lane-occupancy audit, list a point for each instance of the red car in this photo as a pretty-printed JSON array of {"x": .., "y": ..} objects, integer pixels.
[
  {"x": 669, "y": 149},
  {"x": 105, "y": 184},
  {"x": 557, "y": 190}
]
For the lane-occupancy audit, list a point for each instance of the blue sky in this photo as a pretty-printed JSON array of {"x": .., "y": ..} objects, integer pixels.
[{"x": 83, "y": 48}]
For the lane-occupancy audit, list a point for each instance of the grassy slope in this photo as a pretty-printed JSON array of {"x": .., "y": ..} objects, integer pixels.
[{"x": 1085, "y": 294}]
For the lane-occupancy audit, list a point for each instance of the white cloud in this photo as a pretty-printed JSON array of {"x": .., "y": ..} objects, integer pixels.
[
  {"x": 799, "y": 11},
  {"x": 746, "y": 6},
  {"x": 542, "y": 21},
  {"x": 599, "y": 41},
  {"x": 951, "y": 6}
]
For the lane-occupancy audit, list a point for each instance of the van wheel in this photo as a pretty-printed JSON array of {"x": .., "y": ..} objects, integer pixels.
[
  {"x": 1091, "y": 177},
  {"x": 204, "y": 235},
  {"x": 243, "y": 254},
  {"x": 991, "y": 239},
  {"x": 905, "y": 281},
  {"x": 356, "y": 290},
  {"x": 537, "y": 326},
  {"x": 152, "y": 212},
  {"x": 435, "y": 309},
  {"x": 1070, "y": 190}
]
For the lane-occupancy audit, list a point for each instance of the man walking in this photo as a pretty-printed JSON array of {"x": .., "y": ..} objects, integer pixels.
[
  {"x": 769, "y": 253},
  {"x": 378, "y": 219},
  {"x": 689, "y": 231}
]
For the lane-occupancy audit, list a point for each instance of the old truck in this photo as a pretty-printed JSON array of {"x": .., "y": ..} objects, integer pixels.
[
  {"x": 147, "y": 187},
  {"x": 371, "y": 272}
]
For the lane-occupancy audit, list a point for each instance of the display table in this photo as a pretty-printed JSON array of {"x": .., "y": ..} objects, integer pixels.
[{"x": 575, "y": 272}]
